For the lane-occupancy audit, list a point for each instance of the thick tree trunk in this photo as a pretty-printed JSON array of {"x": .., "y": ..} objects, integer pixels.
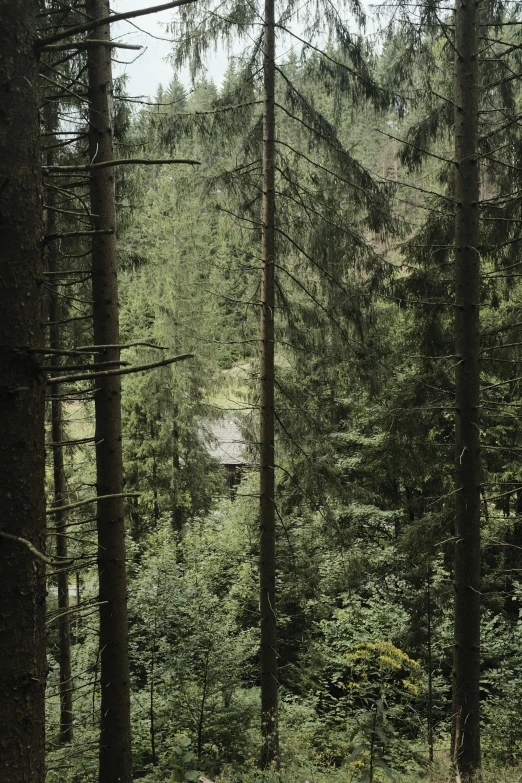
[
  {"x": 466, "y": 693},
  {"x": 115, "y": 737},
  {"x": 22, "y": 387},
  {"x": 60, "y": 492},
  {"x": 267, "y": 540}
]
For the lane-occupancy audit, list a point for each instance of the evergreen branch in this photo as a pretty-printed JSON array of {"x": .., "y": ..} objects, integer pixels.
[
  {"x": 317, "y": 302},
  {"x": 313, "y": 504},
  {"x": 328, "y": 275},
  {"x": 499, "y": 82},
  {"x": 324, "y": 129},
  {"x": 434, "y": 126},
  {"x": 333, "y": 144},
  {"x": 359, "y": 241},
  {"x": 315, "y": 164},
  {"x": 414, "y": 146},
  {"x": 255, "y": 223},
  {"x": 491, "y": 152},
  {"x": 364, "y": 78},
  {"x": 217, "y": 110},
  {"x": 500, "y": 163},
  {"x": 321, "y": 128},
  {"x": 417, "y": 187},
  {"x": 290, "y": 546}
]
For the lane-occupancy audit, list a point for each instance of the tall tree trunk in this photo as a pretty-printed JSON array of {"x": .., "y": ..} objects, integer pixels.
[
  {"x": 466, "y": 666},
  {"x": 57, "y": 436},
  {"x": 115, "y": 737},
  {"x": 430, "y": 667},
  {"x": 177, "y": 509},
  {"x": 152, "y": 686},
  {"x": 22, "y": 387},
  {"x": 267, "y": 542}
]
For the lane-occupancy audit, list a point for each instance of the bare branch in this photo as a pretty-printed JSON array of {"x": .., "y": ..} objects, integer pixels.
[
  {"x": 85, "y": 44},
  {"x": 36, "y": 552},
  {"x": 80, "y": 503},
  {"x": 110, "y": 163},
  {"x": 86, "y": 376},
  {"x": 96, "y": 348},
  {"x": 86, "y": 26},
  {"x": 66, "y": 234}
]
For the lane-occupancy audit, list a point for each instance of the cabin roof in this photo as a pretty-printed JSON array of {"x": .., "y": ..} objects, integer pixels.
[{"x": 225, "y": 442}]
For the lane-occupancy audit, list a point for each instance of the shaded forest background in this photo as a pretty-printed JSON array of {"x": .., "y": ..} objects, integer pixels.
[{"x": 363, "y": 481}]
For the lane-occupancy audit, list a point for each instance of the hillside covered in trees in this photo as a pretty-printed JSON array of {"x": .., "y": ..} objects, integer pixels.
[{"x": 261, "y": 381}]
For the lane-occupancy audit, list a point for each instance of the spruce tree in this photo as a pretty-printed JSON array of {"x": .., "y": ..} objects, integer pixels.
[
  {"x": 469, "y": 232},
  {"x": 275, "y": 201},
  {"x": 267, "y": 512},
  {"x": 466, "y": 683},
  {"x": 22, "y": 464},
  {"x": 59, "y": 476},
  {"x": 115, "y": 722}
]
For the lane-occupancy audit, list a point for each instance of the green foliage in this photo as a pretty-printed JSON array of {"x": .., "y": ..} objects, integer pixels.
[
  {"x": 177, "y": 764},
  {"x": 364, "y": 431}
]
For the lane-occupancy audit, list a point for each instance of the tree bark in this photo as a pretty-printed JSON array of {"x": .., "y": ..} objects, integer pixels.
[
  {"x": 466, "y": 666},
  {"x": 22, "y": 386},
  {"x": 430, "y": 666},
  {"x": 115, "y": 728},
  {"x": 57, "y": 429},
  {"x": 267, "y": 539}
]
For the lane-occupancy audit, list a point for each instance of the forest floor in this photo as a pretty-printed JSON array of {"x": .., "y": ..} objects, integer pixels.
[{"x": 440, "y": 772}]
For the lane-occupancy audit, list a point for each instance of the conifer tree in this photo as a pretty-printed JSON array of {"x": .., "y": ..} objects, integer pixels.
[
  {"x": 59, "y": 477},
  {"x": 475, "y": 243},
  {"x": 115, "y": 723},
  {"x": 466, "y": 684},
  {"x": 306, "y": 129},
  {"x": 267, "y": 513},
  {"x": 22, "y": 465}
]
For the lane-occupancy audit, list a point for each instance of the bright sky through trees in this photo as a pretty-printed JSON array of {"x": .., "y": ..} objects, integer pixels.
[{"x": 153, "y": 67}]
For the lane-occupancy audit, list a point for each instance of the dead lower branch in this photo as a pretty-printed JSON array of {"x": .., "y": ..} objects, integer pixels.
[
  {"x": 80, "y": 503},
  {"x": 123, "y": 162},
  {"x": 86, "y": 26},
  {"x": 87, "y": 376}
]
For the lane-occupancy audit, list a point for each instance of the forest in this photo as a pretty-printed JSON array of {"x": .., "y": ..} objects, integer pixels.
[{"x": 260, "y": 392}]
